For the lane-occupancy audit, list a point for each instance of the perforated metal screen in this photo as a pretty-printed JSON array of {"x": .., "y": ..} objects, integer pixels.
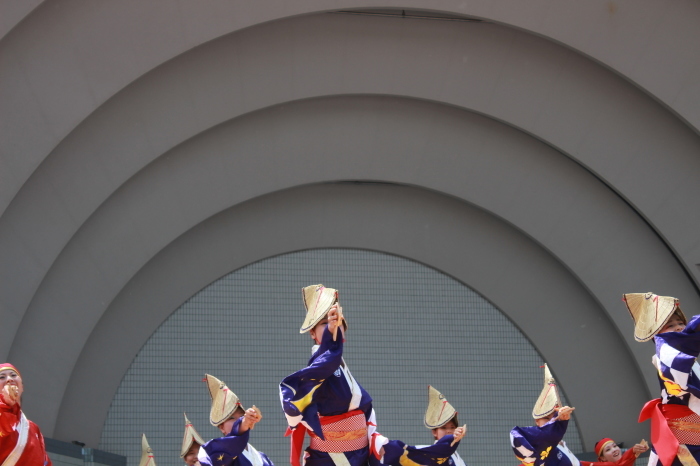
[{"x": 410, "y": 326}]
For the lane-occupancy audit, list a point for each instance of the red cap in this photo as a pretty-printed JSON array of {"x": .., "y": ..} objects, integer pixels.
[
  {"x": 6, "y": 365},
  {"x": 601, "y": 444}
]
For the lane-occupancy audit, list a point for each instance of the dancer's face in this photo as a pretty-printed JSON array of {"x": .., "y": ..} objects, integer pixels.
[
  {"x": 674, "y": 324},
  {"x": 317, "y": 332},
  {"x": 611, "y": 452},
  {"x": 11, "y": 377},
  {"x": 447, "y": 429},
  {"x": 191, "y": 456},
  {"x": 226, "y": 426}
]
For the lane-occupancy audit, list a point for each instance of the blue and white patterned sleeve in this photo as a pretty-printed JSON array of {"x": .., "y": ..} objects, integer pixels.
[
  {"x": 532, "y": 445},
  {"x": 675, "y": 356},
  {"x": 224, "y": 450},
  {"x": 297, "y": 389}
]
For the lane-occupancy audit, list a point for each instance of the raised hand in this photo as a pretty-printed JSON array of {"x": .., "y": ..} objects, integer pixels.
[
  {"x": 459, "y": 434},
  {"x": 335, "y": 318},
  {"x": 251, "y": 417},
  {"x": 640, "y": 448},
  {"x": 565, "y": 413},
  {"x": 10, "y": 393}
]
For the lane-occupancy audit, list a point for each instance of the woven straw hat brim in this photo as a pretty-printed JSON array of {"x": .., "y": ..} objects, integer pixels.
[
  {"x": 191, "y": 437},
  {"x": 439, "y": 411},
  {"x": 441, "y": 424},
  {"x": 223, "y": 401},
  {"x": 318, "y": 301},
  {"x": 650, "y": 313},
  {"x": 548, "y": 401}
]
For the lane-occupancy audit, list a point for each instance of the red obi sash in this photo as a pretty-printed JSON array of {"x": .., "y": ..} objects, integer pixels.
[
  {"x": 671, "y": 425},
  {"x": 342, "y": 432}
]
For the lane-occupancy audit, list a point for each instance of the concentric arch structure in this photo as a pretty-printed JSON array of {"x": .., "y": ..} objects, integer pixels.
[{"x": 545, "y": 154}]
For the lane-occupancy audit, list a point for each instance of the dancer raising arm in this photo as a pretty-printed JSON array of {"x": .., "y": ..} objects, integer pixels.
[
  {"x": 543, "y": 444},
  {"x": 191, "y": 442},
  {"x": 441, "y": 419},
  {"x": 324, "y": 398},
  {"x": 235, "y": 424}
]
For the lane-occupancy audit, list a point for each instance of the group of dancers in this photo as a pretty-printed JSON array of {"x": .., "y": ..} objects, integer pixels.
[
  {"x": 675, "y": 416},
  {"x": 324, "y": 401}
]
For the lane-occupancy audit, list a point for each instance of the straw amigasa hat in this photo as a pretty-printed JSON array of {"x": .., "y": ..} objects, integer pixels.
[
  {"x": 147, "y": 458},
  {"x": 548, "y": 400},
  {"x": 191, "y": 437},
  {"x": 439, "y": 411},
  {"x": 318, "y": 301},
  {"x": 650, "y": 313},
  {"x": 223, "y": 401}
]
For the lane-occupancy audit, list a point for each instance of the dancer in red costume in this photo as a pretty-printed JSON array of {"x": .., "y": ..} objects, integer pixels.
[
  {"x": 609, "y": 454},
  {"x": 21, "y": 442}
]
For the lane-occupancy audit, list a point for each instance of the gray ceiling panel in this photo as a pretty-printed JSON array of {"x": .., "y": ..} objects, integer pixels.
[{"x": 509, "y": 77}]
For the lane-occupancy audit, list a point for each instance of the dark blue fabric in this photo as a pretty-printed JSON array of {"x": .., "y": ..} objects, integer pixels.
[
  {"x": 334, "y": 393},
  {"x": 321, "y": 458},
  {"x": 438, "y": 454},
  {"x": 687, "y": 342},
  {"x": 542, "y": 441},
  {"x": 331, "y": 395},
  {"x": 228, "y": 450}
]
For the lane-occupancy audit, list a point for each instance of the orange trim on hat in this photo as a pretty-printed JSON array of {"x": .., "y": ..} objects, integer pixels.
[
  {"x": 602, "y": 443},
  {"x": 6, "y": 365}
]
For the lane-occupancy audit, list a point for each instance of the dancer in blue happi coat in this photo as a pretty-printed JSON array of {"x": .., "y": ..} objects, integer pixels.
[
  {"x": 235, "y": 423},
  {"x": 323, "y": 398},
  {"x": 191, "y": 442},
  {"x": 441, "y": 419},
  {"x": 147, "y": 456},
  {"x": 543, "y": 444},
  {"x": 675, "y": 417}
]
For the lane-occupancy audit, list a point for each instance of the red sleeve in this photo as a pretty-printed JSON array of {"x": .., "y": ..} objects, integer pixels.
[
  {"x": 35, "y": 451},
  {"x": 628, "y": 458},
  {"x": 9, "y": 418}
]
